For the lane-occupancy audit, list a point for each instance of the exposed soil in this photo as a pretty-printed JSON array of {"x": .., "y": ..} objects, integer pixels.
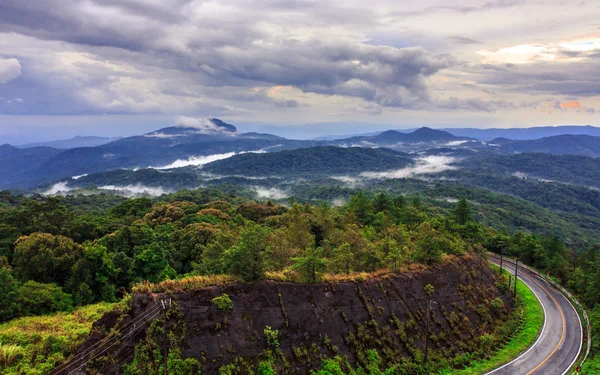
[{"x": 316, "y": 321}]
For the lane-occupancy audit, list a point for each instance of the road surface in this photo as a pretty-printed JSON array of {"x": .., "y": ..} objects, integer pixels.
[{"x": 561, "y": 339}]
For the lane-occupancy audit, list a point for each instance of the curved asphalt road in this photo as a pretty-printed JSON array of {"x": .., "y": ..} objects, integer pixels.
[{"x": 560, "y": 341}]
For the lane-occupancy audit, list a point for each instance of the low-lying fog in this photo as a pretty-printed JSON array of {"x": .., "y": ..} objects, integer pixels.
[
  {"x": 424, "y": 165},
  {"x": 205, "y": 159}
]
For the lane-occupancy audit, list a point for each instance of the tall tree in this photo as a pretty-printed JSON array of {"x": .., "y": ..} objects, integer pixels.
[
  {"x": 45, "y": 258},
  {"x": 361, "y": 207},
  {"x": 462, "y": 212},
  {"x": 9, "y": 290},
  {"x": 343, "y": 259},
  {"x": 247, "y": 257},
  {"x": 311, "y": 265}
]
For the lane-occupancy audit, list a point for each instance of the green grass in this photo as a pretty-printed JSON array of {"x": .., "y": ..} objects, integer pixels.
[
  {"x": 35, "y": 345},
  {"x": 591, "y": 366},
  {"x": 533, "y": 320}
]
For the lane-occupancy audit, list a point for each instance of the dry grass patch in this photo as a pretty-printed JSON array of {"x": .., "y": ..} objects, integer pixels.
[{"x": 187, "y": 284}]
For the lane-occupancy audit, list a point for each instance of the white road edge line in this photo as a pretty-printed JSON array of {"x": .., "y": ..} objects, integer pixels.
[
  {"x": 581, "y": 330},
  {"x": 539, "y": 336}
]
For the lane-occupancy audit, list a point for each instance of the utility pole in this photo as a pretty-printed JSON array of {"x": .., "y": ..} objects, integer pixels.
[
  {"x": 429, "y": 302},
  {"x": 516, "y": 275},
  {"x": 509, "y": 284},
  {"x": 501, "y": 259},
  {"x": 165, "y": 304}
]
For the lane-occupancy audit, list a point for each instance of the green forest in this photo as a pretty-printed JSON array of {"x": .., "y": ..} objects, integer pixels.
[{"x": 58, "y": 253}]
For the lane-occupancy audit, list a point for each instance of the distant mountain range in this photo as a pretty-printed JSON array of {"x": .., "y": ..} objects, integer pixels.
[
  {"x": 220, "y": 149},
  {"x": 179, "y": 146},
  {"x": 523, "y": 133},
  {"x": 568, "y": 169},
  {"x": 20, "y": 164},
  {"x": 491, "y": 133},
  {"x": 559, "y": 144},
  {"x": 79, "y": 141}
]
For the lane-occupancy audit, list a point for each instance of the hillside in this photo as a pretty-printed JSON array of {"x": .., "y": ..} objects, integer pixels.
[
  {"x": 18, "y": 165},
  {"x": 314, "y": 161},
  {"x": 175, "y": 145},
  {"x": 419, "y": 139},
  {"x": 585, "y": 145},
  {"x": 312, "y": 322},
  {"x": 264, "y": 285},
  {"x": 79, "y": 141},
  {"x": 156, "y": 149},
  {"x": 570, "y": 169}
]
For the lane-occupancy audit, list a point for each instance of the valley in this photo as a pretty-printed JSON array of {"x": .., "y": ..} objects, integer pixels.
[
  {"x": 162, "y": 215},
  {"x": 192, "y": 187}
]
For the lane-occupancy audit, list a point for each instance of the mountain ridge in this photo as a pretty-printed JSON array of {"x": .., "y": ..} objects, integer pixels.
[{"x": 75, "y": 142}]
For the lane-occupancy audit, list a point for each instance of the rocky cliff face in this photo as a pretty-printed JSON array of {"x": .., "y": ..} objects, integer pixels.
[{"x": 314, "y": 321}]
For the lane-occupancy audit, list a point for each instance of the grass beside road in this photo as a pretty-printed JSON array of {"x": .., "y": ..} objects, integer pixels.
[{"x": 532, "y": 322}]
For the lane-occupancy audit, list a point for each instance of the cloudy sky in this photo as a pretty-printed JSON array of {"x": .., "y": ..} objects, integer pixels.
[{"x": 109, "y": 67}]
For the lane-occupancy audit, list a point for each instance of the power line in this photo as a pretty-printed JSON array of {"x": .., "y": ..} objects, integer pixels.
[
  {"x": 104, "y": 351},
  {"x": 107, "y": 339},
  {"x": 101, "y": 342},
  {"x": 119, "y": 354}
]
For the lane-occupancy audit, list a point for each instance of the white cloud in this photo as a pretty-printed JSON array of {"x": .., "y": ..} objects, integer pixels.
[
  {"x": 425, "y": 165},
  {"x": 204, "y": 125},
  {"x": 202, "y": 160},
  {"x": 272, "y": 193},
  {"x": 338, "y": 202},
  {"x": 136, "y": 190},
  {"x": 455, "y": 143},
  {"x": 79, "y": 176},
  {"x": 163, "y": 135},
  {"x": 59, "y": 187},
  {"x": 9, "y": 70},
  {"x": 196, "y": 161},
  {"x": 351, "y": 181}
]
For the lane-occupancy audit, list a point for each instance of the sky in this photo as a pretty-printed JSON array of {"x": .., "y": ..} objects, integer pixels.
[{"x": 122, "y": 67}]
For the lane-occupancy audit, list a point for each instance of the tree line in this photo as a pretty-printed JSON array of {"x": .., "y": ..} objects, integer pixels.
[{"x": 56, "y": 253}]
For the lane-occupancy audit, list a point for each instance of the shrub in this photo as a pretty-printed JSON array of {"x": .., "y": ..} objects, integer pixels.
[
  {"x": 272, "y": 336},
  {"x": 429, "y": 289},
  {"x": 9, "y": 354},
  {"x": 223, "y": 302},
  {"x": 265, "y": 368},
  {"x": 498, "y": 304},
  {"x": 38, "y": 298},
  {"x": 9, "y": 292}
]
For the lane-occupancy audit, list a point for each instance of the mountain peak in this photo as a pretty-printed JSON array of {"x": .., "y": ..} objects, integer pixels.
[
  {"x": 426, "y": 129},
  {"x": 205, "y": 125},
  {"x": 428, "y": 134},
  {"x": 223, "y": 125},
  {"x": 189, "y": 126},
  {"x": 7, "y": 148}
]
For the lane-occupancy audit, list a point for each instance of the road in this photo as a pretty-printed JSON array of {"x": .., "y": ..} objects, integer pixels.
[{"x": 561, "y": 339}]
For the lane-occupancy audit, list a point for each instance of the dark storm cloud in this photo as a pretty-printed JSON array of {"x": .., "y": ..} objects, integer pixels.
[
  {"x": 186, "y": 56},
  {"x": 369, "y": 72},
  {"x": 130, "y": 25},
  {"x": 234, "y": 52},
  {"x": 574, "y": 78}
]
